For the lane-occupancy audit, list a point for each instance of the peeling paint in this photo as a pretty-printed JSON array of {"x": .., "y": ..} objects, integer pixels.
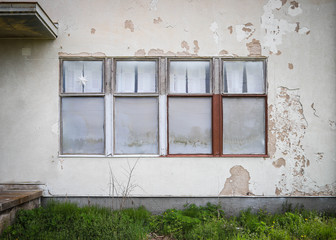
[
  {"x": 332, "y": 124},
  {"x": 271, "y": 132},
  {"x": 223, "y": 52},
  {"x": 238, "y": 183},
  {"x": 244, "y": 31},
  {"x": 279, "y": 163},
  {"x": 254, "y": 47},
  {"x": 140, "y": 52},
  {"x": 129, "y": 25},
  {"x": 230, "y": 29},
  {"x": 185, "y": 45},
  {"x": 276, "y": 28},
  {"x": 157, "y": 21},
  {"x": 196, "y": 48},
  {"x": 304, "y": 30},
  {"x": 312, "y": 106},
  {"x": 93, "y": 30},
  {"x": 290, "y": 66},
  {"x": 277, "y": 191},
  {"x": 214, "y": 28},
  {"x": 288, "y": 124},
  {"x": 319, "y": 156},
  {"x": 294, "y": 9}
]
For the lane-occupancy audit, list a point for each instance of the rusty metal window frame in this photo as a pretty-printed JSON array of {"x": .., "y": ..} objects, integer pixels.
[
  {"x": 63, "y": 95},
  {"x": 116, "y": 94}
]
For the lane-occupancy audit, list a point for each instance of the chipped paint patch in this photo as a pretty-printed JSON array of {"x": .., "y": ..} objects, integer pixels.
[
  {"x": 304, "y": 30},
  {"x": 276, "y": 28},
  {"x": 238, "y": 183},
  {"x": 279, "y": 163},
  {"x": 230, "y": 29},
  {"x": 129, "y": 25},
  {"x": 214, "y": 28},
  {"x": 254, "y": 47},
  {"x": 185, "y": 45},
  {"x": 140, "y": 52},
  {"x": 290, "y": 66},
  {"x": 244, "y": 31},
  {"x": 289, "y": 125},
  {"x": 93, "y": 30},
  {"x": 294, "y": 9},
  {"x": 196, "y": 47},
  {"x": 271, "y": 132},
  {"x": 157, "y": 20},
  {"x": 332, "y": 124},
  {"x": 223, "y": 52}
]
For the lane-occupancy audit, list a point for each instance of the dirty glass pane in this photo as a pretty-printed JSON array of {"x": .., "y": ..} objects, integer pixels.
[
  {"x": 82, "y": 76},
  {"x": 189, "y": 77},
  {"x": 255, "y": 77},
  {"x": 190, "y": 125},
  {"x": 136, "y": 125},
  {"x": 83, "y": 125},
  {"x": 243, "y": 126},
  {"x": 136, "y": 77},
  {"x": 243, "y": 77}
]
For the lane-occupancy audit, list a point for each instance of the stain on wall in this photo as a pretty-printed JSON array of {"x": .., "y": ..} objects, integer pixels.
[
  {"x": 157, "y": 20},
  {"x": 238, "y": 183},
  {"x": 140, "y": 52},
  {"x": 290, "y": 66},
  {"x": 129, "y": 25},
  {"x": 279, "y": 163},
  {"x": 185, "y": 45}
]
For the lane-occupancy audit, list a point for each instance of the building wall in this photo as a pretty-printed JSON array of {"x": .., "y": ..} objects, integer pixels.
[{"x": 297, "y": 37}]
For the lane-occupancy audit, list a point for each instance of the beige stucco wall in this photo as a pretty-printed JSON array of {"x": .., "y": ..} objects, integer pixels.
[{"x": 298, "y": 37}]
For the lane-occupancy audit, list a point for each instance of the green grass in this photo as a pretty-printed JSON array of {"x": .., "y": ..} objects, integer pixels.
[{"x": 67, "y": 221}]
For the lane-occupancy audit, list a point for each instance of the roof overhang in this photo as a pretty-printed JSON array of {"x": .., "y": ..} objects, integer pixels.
[{"x": 25, "y": 20}]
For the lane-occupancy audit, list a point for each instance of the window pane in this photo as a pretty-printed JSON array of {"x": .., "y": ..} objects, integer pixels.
[
  {"x": 243, "y": 77},
  {"x": 82, "y": 76},
  {"x": 83, "y": 125},
  {"x": 189, "y": 77},
  {"x": 190, "y": 125},
  {"x": 136, "y": 125},
  {"x": 136, "y": 76},
  {"x": 243, "y": 126}
]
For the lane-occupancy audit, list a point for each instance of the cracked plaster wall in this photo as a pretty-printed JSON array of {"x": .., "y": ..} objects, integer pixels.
[{"x": 296, "y": 36}]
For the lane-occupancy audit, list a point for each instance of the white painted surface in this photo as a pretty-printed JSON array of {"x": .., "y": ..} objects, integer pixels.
[{"x": 29, "y": 93}]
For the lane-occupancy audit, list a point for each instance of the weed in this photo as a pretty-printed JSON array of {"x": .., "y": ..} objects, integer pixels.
[{"x": 67, "y": 221}]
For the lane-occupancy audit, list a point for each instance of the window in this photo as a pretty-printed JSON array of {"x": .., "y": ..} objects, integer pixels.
[
  {"x": 163, "y": 106},
  {"x": 82, "y": 108},
  {"x": 136, "y": 108},
  {"x": 189, "y": 108},
  {"x": 244, "y": 108}
]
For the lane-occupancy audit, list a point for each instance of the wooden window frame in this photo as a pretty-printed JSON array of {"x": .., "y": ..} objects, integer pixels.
[
  {"x": 116, "y": 94},
  {"x": 75, "y": 95},
  {"x": 162, "y": 91},
  {"x": 243, "y": 95},
  {"x": 186, "y": 95}
]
